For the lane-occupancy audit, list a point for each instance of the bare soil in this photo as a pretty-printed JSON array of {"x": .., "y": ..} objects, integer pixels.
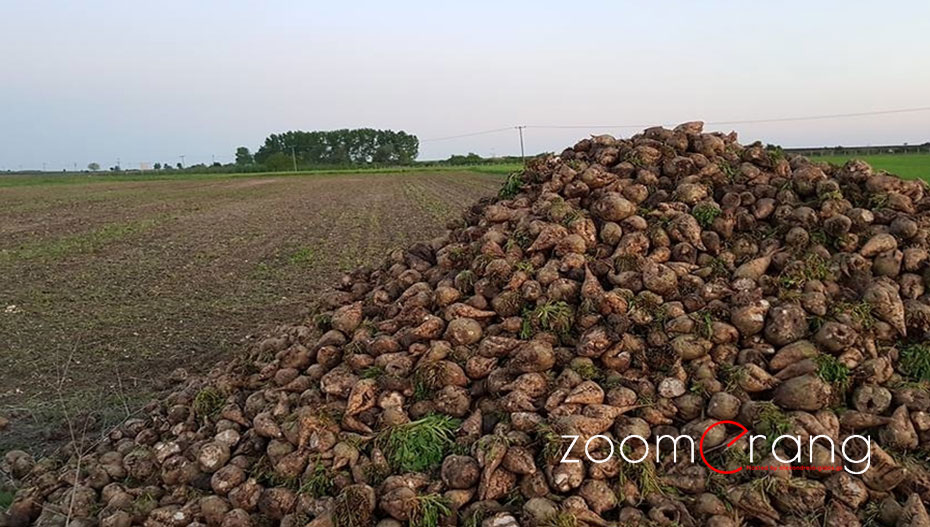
[{"x": 107, "y": 288}]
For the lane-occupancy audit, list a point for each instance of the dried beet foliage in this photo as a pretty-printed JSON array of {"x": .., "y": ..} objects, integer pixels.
[{"x": 649, "y": 286}]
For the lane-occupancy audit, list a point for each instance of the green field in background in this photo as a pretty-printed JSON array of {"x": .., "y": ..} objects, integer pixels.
[
  {"x": 908, "y": 166},
  {"x": 17, "y": 180}
]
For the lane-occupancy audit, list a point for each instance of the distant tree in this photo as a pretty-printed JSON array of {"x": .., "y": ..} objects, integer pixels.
[
  {"x": 278, "y": 161},
  {"x": 385, "y": 153},
  {"x": 342, "y": 147},
  {"x": 243, "y": 156},
  {"x": 166, "y": 166},
  {"x": 471, "y": 159},
  {"x": 157, "y": 166},
  {"x": 216, "y": 164},
  {"x": 93, "y": 167},
  {"x": 180, "y": 166}
]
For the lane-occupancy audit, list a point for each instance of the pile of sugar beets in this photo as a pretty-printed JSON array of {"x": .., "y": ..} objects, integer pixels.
[{"x": 646, "y": 286}]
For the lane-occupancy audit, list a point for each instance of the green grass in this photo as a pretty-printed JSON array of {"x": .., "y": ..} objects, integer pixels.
[
  {"x": 915, "y": 361},
  {"x": 350, "y": 509},
  {"x": 302, "y": 256},
  {"x": 729, "y": 170},
  {"x": 705, "y": 321},
  {"x": 526, "y": 266},
  {"x": 561, "y": 519},
  {"x": 319, "y": 483},
  {"x": 731, "y": 376},
  {"x": 83, "y": 243},
  {"x": 550, "y": 443},
  {"x": 551, "y": 316},
  {"x": 861, "y": 312},
  {"x": 512, "y": 186},
  {"x": 420, "y": 445},
  {"x": 908, "y": 166},
  {"x": 264, "y": 472},
  {"x": 6, "y": 499},
  {"x": 646, "y": 478},
  {"x": 208, "y": 402},
  {"x": 772, "y": 422},
  {"x": 372, "y": 372},
  {"x": 71, "y": 178},
  {"x": 831, "y": 370},
  {"x": 705, "y": 213},
  {"x": 587, "y": 370},
  {"x": 144, "y": 504},
  {"x": 427, "y": 379},
  {"x": 815, "y": 268},
  {"x": 428, "y": 510}
]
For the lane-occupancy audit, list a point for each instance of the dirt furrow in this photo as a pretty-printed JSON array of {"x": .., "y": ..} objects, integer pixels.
[{"x": 152, "y": 278}]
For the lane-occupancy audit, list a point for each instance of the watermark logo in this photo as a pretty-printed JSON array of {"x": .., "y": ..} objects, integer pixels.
[
  {"x": 731, "y": 443},
  {"x": 792, "y": 463}
]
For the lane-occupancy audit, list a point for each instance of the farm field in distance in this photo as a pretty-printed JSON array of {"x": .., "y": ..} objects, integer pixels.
[
  {"x": 14, "y": 179},
  {"x": 108, "y": 285},
  {"x": 908, "y": 166}
]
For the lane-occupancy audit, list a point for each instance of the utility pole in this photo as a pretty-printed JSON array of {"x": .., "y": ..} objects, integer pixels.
[
  {"x": 294, "y": 157},
  {"x": 522, "y": 153}
]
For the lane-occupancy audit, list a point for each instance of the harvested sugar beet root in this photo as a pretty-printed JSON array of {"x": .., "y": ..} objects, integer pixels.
[{"x": 647, "y": 286}]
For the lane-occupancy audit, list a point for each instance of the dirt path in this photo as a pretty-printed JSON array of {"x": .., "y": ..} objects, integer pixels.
[{"x": 132, "y": 280}]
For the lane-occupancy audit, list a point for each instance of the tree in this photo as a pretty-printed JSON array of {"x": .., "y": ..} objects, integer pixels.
[
  {"x": 157, "y": 166},
  {"x": 243, "y": 156},
  {"x": 93, "y": 167},
  {"x": 471, "y": 159},
  {"x": 279, "y": 161},
  {"x": 342, "y": 147},
  {"x": 180, "y": 166}
]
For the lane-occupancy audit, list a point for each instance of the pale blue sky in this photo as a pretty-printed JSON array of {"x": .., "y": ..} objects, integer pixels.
[{"x": 149, "y": 81}]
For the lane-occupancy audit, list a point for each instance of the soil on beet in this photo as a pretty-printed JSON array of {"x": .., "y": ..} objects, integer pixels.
[{"x": 108, "y": 288}]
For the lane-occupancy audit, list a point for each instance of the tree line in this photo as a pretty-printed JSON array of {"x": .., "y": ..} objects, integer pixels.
[
  {"x": 328, "y": 149},
  {"x": 333, "y": 148}
]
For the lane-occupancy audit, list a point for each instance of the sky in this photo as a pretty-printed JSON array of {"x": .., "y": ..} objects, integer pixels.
[{"x": 144, "y": 82}]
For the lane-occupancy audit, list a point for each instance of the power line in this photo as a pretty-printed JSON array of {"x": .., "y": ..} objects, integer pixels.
[
  {"x": 520, "y": 128},
  {"x": 828, "y": 116},
  {"x": 470, "y": 134},
  {"x": 582, "y": 126},
  {"x": 754, "y": 121},
  {"x": 711, "y": 123}
]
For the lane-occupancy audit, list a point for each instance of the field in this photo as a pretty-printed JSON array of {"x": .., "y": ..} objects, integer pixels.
[
  {"x": 908, "y": 166},
  {"x": 67, "y": 178},
  {"x": 110, "y": 283}
]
